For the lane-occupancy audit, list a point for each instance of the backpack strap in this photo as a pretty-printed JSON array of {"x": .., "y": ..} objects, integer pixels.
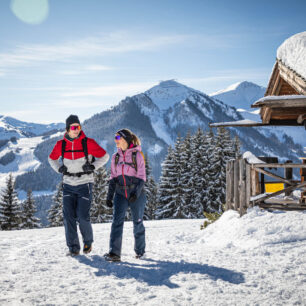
[
  {"x": 134, "y": 159},
  {"x": 63, "y": 149},
  {"x": 85, "y": 149},
  {"x": 117, "y": 159},
  {"x": 134, "y": 153}
]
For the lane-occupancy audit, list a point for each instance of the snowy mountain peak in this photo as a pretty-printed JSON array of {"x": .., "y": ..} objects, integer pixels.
[
  {"x": 168, "y": 93},
  {"x": 240, "y": 95},
  {"x": 241, "y": 86}
]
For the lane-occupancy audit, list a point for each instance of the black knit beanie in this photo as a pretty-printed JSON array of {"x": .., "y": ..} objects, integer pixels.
[
  {"x": 126, "y": 134},
  {"x": 70, "y": 120}
]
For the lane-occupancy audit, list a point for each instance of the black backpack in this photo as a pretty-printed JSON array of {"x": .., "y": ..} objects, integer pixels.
[
  {"x": 134, "y": 160},
  {"x": 84, "y": 149}
]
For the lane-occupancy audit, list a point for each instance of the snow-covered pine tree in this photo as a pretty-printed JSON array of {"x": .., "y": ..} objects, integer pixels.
[
  {"x": 229, "y": 145},
  {"x": 217, "y": 171},
  {"x": 186, "y": 175},
  {"x": 28, "y": 213},
  {"x": 171, "y": 203},
  {"x": 204, "y": 174},
  {"x": 165, "y": 200},
  {"x": 151, "y": 192},
  {"x": 208, "y": 170},
  {"x": 10, "y": 208},
  {"x": 99, "y": 211},
  {"x": 198, "y": 172},
  {"x": 55, "y": 213}
]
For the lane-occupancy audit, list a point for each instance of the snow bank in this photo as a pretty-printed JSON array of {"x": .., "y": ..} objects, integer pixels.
[
  {"x": 257, "y": 228},
  {"x": 258, "y": 259},
  {"x": 292, "y": 53}
]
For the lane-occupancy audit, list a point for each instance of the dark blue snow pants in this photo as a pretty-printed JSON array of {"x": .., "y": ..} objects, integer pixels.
[
  {"x": 76, "y": 208},
  {"x": 137, "y": 208}
]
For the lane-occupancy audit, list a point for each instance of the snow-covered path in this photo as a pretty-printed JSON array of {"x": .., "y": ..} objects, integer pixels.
[{"x": 257, "y": 259}]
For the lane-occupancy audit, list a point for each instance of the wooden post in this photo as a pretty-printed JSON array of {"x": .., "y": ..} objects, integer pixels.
[
  {"x": 262, "y": 183},
  {"x": 242, "y": 183},
  {"x": 253, "y": 182},
  {"x": 288, "y": 176},
  {"x": 232, "y": 184},
  {"x": 236, "y": 184},
  {"x": 255, "y": 188},
  {"x": 257, "y": 182},
  {"x": 248, "y": 185},
  {"x": 228, "y": 186},
  {"x": 303, "y": 178}
]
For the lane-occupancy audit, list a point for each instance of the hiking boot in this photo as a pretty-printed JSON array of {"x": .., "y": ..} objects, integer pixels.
[
  {"x": 140, "y": 256},
  {"x": 87, "y": 248},
  {"x": 73, "y": 253},
  {"x": 111, "y": 257}
]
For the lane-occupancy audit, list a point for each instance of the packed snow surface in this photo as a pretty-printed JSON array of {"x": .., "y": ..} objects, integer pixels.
[
  {"x": 258, "y": 259},
  {"x": 292, "y": 53}
]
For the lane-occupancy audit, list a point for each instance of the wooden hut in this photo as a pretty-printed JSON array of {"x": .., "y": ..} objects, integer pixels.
[{"x": 284, "y": 104}]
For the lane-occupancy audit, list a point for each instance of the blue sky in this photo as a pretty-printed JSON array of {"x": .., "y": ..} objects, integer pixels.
[{"x": 83, "y": 56}]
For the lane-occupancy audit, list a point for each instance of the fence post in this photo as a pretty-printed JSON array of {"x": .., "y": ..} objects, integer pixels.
[
  {"x": 288, "y": 176},
  {"x": 228, "y": 186},
  {"x": 236, "y": 184},
  {"x": 248, "y": 185},
  {"x": 242, "y": 190}
]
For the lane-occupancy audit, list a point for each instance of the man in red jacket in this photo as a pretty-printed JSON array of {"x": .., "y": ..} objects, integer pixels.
[{"x": 80, "y": 156}]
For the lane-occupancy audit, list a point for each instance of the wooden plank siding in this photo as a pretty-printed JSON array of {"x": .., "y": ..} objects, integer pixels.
[
  {"x": 285, "y": 81},
  {"x": 243, "y": 190}
]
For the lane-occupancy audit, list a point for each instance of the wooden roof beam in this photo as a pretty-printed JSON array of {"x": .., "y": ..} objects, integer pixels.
[
  {"x": 266, "y": 114},
  {"x": 292, "y": 78}
]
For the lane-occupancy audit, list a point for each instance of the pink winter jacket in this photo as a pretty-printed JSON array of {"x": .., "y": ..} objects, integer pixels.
[{"x": 124, "y": 177}]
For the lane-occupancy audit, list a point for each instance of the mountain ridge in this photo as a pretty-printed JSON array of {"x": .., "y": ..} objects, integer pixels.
[{"x": 157, "y": 128}]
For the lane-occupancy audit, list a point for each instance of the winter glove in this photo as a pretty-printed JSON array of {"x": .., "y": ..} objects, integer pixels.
[
  {"x": 62, "y": 169},
  {"x": 111, "y": 189},
  {"x": 133, "y": 197},
  {"x": 109, "y": 203},
  {"x": 88, "y": 167},
  {"x": 139, "y": 188}
]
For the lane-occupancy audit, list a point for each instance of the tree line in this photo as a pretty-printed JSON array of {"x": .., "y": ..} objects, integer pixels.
[{"x": 192, "y": 182}]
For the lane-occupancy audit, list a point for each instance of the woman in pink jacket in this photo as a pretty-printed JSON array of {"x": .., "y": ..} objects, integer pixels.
[{"x": 128, "y": 176}]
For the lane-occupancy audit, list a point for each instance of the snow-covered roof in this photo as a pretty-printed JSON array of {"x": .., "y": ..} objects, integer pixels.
[
  {"x": 271, "y": 99},
  {"x": 251, "y": 158},
  {"x": 292, "y": 53},
  {"x": 244, "y": 122}
]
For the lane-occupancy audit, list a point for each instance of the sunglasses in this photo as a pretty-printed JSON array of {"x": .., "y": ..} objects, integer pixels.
[
  {"x": 75, "y": 127},
  {"x": 117, "y": 137}
]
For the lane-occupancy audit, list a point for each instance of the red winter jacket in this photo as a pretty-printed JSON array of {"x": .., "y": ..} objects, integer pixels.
[{"x": 75, "y": 160}]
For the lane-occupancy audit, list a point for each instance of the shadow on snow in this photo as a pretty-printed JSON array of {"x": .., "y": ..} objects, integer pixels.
[{"x": 157, "y": 272}]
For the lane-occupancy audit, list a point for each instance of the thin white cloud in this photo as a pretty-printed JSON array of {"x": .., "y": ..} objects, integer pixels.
[
  {"x": 98, "y": 68},
  {"x": 123, "y": 89},
  {"x": 87, "y": 69},
  {"x": 242, "y": 74},
  {"x": 119, "y": 42}
]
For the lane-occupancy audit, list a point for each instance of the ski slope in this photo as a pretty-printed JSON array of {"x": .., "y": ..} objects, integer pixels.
[
  {"x": 258, "y": 259},
  {"x": 24, "y": 161}
]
